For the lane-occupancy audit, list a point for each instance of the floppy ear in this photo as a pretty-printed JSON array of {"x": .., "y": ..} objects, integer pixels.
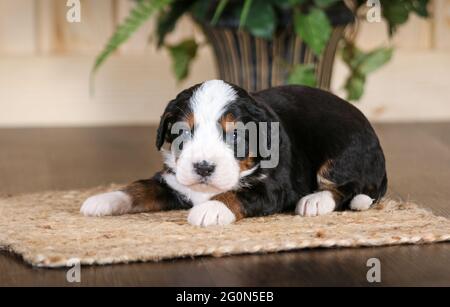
[
  {"x": 169, "y": 113},
  {"x": 162, "y": 130},
  {"x": 267, "y": 121}
]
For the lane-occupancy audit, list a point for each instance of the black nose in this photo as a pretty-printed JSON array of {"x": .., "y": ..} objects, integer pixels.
[{"x": 204, "y": 168}]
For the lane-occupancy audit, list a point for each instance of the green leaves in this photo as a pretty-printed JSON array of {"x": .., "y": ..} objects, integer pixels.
[
  {"x": 138, "y": 15},
  {"x": 420, "y": 7},
  {"x": 374, "y": 60},
  {"x": 297, "y": 2},
  {"x": 182, "y": 55},
  {"x": 314, "y": 28},
  {"x": 355, "y": 87},
  {"x": 262, "y": 20},
  {"x": 219, "y": 10},
  {"x": 325, "y": 3},
  {"x": 397, "y": 12},
  {"x": 361, "y": 64},
  {"x": 303, "y": 75},
  {"x": 309, "y": 4},
  {"x": 245, "y": 12},
  {"x": 200, "y": 9},
  {"x": 167, "y": 19}
]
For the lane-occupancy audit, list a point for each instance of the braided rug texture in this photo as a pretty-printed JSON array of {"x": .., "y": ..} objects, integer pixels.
[{"x": 47, "y": 230}]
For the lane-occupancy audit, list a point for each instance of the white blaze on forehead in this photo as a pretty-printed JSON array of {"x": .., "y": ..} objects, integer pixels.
[
  {"x": 209, "y": 101},
  {"x": 208, "y": 104}
]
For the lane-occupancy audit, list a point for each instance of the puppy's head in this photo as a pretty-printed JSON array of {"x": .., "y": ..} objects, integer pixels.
[{"x": 213, "y": 131}]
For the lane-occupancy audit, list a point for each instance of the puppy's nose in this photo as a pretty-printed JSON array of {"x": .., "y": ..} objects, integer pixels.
[{"x": 204, "y": 168}]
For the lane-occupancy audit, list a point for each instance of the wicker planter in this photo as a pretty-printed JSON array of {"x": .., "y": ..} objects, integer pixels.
[{"x": 255, "y": 63}]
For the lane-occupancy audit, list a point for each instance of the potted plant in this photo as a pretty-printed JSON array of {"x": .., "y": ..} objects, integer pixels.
[{"x": 263, "y": 43}]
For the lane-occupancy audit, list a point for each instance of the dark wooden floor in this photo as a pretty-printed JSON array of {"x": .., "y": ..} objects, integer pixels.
[{"x": 418, "y": 157}]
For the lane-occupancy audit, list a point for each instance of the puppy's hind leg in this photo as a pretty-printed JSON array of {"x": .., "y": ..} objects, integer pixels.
[
  {"x": 329, "y": 197},
  {"x": 364, "y": 201},
  {"x": 318, "y": 203},
  {"x": 361, "y": 202}
]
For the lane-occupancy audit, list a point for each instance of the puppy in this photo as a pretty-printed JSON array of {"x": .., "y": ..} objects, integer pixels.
[{"x": 235, "y": 155}]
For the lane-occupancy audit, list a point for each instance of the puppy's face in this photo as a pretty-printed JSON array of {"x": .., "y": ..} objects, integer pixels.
[{"x": 207, "y": 152}]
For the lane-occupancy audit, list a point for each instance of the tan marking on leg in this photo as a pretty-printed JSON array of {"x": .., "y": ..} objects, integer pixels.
[
  {"x": 231, "y": 200},
  {"x": 246, "y": 164},
  {"x": 324, "y": 170},
  {"x": 144, "y": 196},
  {"x": 322, "y": 176},
  {"x": 326, "y": 184}
]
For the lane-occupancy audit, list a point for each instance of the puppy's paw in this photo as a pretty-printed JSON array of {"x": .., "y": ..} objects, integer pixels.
[
  {"x": 210, "y": 213},
  {"x": 361, "y": 202},
  {"x": 113, "y": 203},
  {"x": 315, "y": 204}
]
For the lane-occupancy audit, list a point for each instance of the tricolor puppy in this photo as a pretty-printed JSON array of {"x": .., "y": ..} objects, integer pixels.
[{"x": 301, "y": 149}]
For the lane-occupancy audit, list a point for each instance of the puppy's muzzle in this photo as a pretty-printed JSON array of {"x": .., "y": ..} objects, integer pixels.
[{"x": 204, "y": 168}]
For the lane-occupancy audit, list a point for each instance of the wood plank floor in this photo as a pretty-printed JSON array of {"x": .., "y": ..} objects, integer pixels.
[{"x": 418, "y": 157}]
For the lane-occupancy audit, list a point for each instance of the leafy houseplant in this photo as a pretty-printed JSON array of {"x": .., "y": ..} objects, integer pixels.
[{"x": 261, "y": 43}]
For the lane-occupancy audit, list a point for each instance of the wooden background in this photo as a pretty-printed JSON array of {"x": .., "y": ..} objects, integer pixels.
[
  {"x": 40, "y": 27},
  {"x": 45, "y": 63}
]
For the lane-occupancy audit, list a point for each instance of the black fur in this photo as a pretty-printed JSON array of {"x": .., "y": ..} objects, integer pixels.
[
  {"x": 175, "y": 111},
  {"x": 315, "y": 127},
  {"x": 166, "y": 197}
]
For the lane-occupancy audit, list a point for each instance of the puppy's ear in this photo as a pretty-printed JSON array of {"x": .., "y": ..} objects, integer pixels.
[
  {"x": 266, "y": 118},
  {"x": 162, "y": 130},
  {"x": 170, "y": 114}
]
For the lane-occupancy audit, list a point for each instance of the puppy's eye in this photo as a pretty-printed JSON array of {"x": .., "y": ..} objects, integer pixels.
[
  {"x": 233, "y": 137},
  {"x": 186, "y": 134},
  {"x": 183, "y": 136}
]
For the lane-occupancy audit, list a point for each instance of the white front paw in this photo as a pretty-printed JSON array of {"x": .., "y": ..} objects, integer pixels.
[
  {"x": 113, "y": 203},
  {"x": 211, "y": 213},
  {"x": 315, "y": 204}
]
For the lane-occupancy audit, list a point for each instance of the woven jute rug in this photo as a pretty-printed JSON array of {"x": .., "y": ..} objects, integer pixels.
[{"x": 47, "y": 230}]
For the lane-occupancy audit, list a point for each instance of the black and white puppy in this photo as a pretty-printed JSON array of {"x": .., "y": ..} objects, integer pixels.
[{"x": 324, "y": 155}]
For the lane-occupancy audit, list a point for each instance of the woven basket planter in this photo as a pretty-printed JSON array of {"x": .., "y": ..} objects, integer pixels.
[{"x": 255, "y": 63}]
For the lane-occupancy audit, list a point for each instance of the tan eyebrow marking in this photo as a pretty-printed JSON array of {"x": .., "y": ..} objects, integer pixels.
[
  {"x": 190, "y": 120},
  {"x": 226, "y": 120}
]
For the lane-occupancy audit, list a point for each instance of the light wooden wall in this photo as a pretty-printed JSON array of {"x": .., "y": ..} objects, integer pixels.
[
  {"x": 40, "y": 27},
  {"x": 45, "y": 63},
  {"x": 441, "y": 25}
]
